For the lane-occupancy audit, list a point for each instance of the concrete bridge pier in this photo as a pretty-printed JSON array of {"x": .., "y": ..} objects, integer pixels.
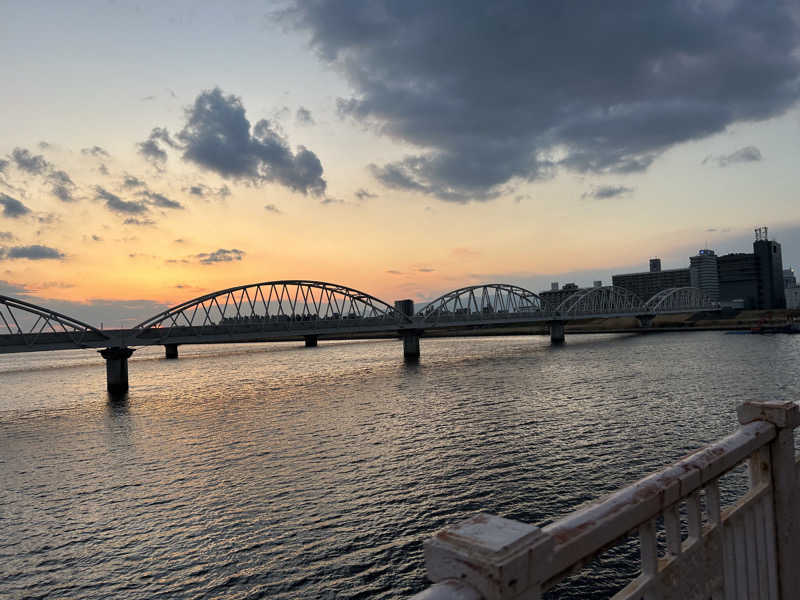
[
  {"x": 556, "y": 332},
  {"x": 311, "y": 340},
  {"x": 116, "y": 367},
  {"x": 170, "y": 350},
  {"x": 411, "y": 344},
  {"x": 645, "y": 321}
]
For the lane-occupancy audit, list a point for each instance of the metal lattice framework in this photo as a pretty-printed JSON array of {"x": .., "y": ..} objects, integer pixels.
[
  {"x": 275, "y": 305},
  {"x": 491, "y": 300},
  {"x": 34, "y": 326},
  {"x": 679, "y": 299},
  {"x": 599, "y": 301}
]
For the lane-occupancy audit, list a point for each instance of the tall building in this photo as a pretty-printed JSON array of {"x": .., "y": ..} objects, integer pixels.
[
  {"x": 738, "y": 280},
  {"x": 645, "y": 285},
  {"x": 703, "y": 273},
  {"x": 770, "y": 271}
]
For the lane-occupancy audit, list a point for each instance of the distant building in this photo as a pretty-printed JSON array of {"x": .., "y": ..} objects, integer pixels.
[
  {"x": 793, "y": 297},
  {"x": 554, "y": 296},
  {"x": 770, "y": 271},
  {"x": 789, "y": 280},
  {"x": 703, "y": 273},
  {"x": 738, "y": 280},
  {"x": 646, "y": 285}
]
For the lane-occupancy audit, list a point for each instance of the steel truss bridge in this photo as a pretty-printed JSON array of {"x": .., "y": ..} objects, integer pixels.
[{"x": 294, "y": 309}]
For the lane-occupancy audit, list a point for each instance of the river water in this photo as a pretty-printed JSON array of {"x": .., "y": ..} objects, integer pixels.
[{"x": 276, "y": 471}]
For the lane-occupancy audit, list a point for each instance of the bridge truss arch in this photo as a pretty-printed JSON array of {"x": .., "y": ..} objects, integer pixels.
[
  {"x": 606, "y": 300},
  {"x": 272, "y": 306},
  {"x": 27, "y": 326},
  {"x": 680, "y": 299},
  {"x": 485, "y": 301}
]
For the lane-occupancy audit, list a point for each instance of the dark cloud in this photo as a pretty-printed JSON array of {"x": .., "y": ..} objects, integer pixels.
[
  {"x": 63, "y": 186},
  {"x": 44, "y": 145},
  {"x": 103, "y": 170},
  {"x": 331, "y": 200},
  {"x": 304, "y": 117},
  {"x": 603, "y": 192},
  {"x": 217, "y": 136},
  {"x": 12, "y": 289},
  {"x": 3, "y": 165},
  {"x": 6, "y": 236},
  {"x": 12, "y": 208},
  {"x": 96, "y": 238},
  {"x": 204, "y": 191},
  {"x": 742, "y": 155},
  {"x": 425, "y": 270},
  {"x": 273, "y": 209},
  {"x": 116, "y": 204},
  {"x": 363, "y": 194},
  {"x": 138, "y": 222},
  {"x": 35, "y": 252},
  {"x": 152, "y": 149},
  {"x": 218, "y": 256},
  {"x": 393, "y": 272},
  {"x": 497, "y": 93},
  {"x": 94, "y": 151},
  {"x": 131, "y": 182},
  {"x": 35, "y": 164},
  {"x": 159, "y": 200}
]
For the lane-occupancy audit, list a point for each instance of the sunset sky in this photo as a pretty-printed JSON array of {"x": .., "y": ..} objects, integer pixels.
[{"x": 153, "y": 152}]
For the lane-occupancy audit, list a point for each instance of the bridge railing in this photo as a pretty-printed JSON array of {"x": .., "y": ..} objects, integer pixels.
[{"x": 691, "y": 544}]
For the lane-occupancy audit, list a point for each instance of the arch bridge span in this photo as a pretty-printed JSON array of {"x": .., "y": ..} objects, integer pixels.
[
  {"x": 271, "y": 308},
  {"x": 484, "y": 302}
]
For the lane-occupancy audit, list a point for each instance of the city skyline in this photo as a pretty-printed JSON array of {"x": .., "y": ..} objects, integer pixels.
[{"x": 353, "y": 161}]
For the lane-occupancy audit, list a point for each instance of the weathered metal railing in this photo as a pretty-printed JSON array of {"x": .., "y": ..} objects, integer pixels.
[{"x": 690, "y": 546}]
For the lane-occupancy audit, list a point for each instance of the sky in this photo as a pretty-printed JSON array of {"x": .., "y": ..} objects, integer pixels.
[{"x": 154, "y": 152}]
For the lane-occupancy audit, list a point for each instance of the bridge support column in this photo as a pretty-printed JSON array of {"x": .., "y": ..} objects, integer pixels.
[
  {"x": 170, "y": 350},
  {"x": 311, "y": 340},
  {"x": 556, "y": 332},
  {"x": 411, "y": 344},
  {"x": 645, "y": 321},
  {"x": 116, "y": 367}
]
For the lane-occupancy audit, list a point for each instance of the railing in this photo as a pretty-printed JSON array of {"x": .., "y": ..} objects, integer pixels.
[{"x": 691, "y": 547}]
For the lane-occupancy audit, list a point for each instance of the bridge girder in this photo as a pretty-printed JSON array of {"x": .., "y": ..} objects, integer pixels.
[
  {"x": 482, "y": 300},
  {"x": 272, "y": 305},
  {"x": 599, "y": 300},
  {"x": 30, "y": 327},
  {"x": 678, "y": 299}
]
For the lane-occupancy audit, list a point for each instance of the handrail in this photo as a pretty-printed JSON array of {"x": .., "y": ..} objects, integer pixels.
[{"x": 746, "y": 550}]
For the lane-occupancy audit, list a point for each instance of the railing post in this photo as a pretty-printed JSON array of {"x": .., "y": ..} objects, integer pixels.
[
  {"x": 785, "y": 416},
  {"x": 498, "y": 557}
]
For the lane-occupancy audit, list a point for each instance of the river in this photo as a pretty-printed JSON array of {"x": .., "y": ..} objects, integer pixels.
[{"x": 277, "y": 471}]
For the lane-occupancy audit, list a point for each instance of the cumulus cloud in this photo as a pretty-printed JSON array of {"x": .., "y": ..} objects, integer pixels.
[
  {"x": 494, "y": 94},
  {"x": 34, "y": 252},
  {"x": 219, "y": 256},
  {"x": 116, "y": 204},
  {"x": 603, "y": 192},
  {"x": 304, "y": 117},
  {"x": 35, "y": 164},
  {"x": 217, "y": 136},
  {"x": 96, "y": 151},
  {"x": 12, "y": 208},
  {"x": 742, "y": 155}
]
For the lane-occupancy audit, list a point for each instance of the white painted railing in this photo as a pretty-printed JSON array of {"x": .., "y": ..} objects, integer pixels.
[{"x": 690, "y": 547}]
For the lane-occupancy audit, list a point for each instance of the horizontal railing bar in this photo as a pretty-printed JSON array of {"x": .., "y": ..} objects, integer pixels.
[{"x": 582, "y": 534}]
